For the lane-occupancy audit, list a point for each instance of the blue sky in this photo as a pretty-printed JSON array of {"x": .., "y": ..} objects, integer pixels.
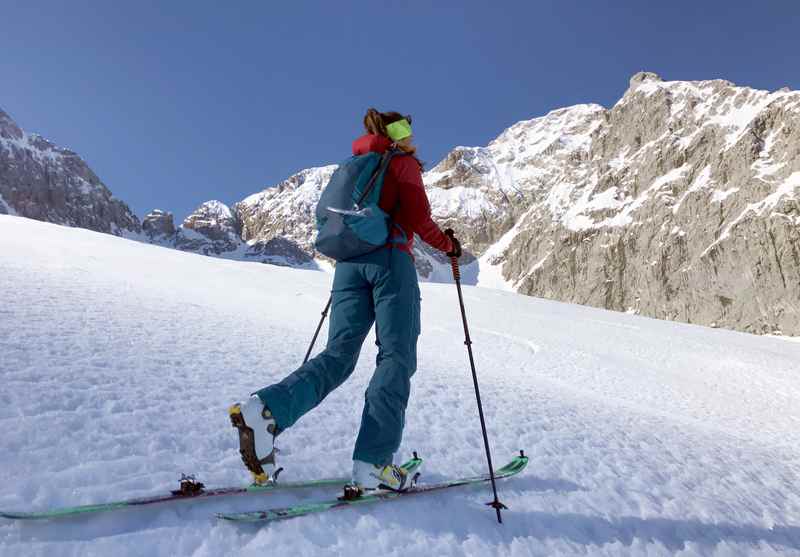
[{"x": 176, "y": 103}]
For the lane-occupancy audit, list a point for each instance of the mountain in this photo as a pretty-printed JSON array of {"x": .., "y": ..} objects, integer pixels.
[
  {"x": 680, "y": 202},
  {"x": 41, "y": 181},
  {"x": 214, "y": 230},
  {"x": 286, "y": 210}
]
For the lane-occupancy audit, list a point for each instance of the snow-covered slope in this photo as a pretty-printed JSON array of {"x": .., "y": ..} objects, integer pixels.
[{"x": 118, "y": 360}]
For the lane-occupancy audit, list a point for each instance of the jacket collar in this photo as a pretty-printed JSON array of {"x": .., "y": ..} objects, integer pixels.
[{"x": 370, "y": 143}]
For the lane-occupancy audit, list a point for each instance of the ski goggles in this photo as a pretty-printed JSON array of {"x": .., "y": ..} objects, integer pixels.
[{"x": 399, "y": 130}]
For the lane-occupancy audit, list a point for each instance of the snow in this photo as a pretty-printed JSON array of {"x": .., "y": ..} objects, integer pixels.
[
  {"x": 216, "y": 209},
  {"x": 720, "y": 196},
  {"x": 737, "y": 119},
  {"x": 621, "y": 161},
  {"x": 490, "y": 264},
  {"x": 765, "y": 166},
  {"x": 468, "y": 202},
  {"x": 522, "y": 159},
  {"x": 701, "y": 182},
  {"x": 305, "y": 188},
  {"x": 119, "y": 360},
  {"x": 566, "y": 126}
]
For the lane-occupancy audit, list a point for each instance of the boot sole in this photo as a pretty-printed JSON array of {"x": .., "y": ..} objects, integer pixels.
[{"x": 247, "y": 445}]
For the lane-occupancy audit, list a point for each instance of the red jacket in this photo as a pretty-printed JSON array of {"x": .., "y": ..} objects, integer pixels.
[{"x": 403, "y": 196}]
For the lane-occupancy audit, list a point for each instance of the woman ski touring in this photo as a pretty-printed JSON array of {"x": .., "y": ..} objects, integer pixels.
[{"x": 379, "y": 287}]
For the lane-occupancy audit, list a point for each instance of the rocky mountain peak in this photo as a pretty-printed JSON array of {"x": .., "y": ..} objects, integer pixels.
[
  {"x": 211, "y": 214},
  {"x": 9, "y": 128},
  {"x": 158, "y": 224},
  {"x": 643, "y": 77},
  {"x": 680, "y": 203},
  {"x": 211, "y": 229},
  {"x": 41, "y": 181},
  {"x": 285, "y": 210}
]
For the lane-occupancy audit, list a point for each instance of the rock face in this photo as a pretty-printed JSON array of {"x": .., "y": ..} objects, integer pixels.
[
  {"x": 213, "y": 229},
  {"x": 41, "y": 181},
  {"x": 285, "y": 210},
  {"x": 680, "y": 202},
  {"x": 158, "y": 225},
  {"x": 210, "y": 230},
  {"x": 278, "y": 251}
]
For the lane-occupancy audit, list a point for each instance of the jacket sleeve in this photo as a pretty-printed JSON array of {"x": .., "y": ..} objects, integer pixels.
[{"x": 416, "y": 207}]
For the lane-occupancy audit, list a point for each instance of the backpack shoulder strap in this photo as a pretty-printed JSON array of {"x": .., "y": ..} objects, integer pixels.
[{"x": 386, "y": 158}]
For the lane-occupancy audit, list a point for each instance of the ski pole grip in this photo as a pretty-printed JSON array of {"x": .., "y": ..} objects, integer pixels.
[
  {"x": 454, "y": 254},
  {"x": 456, "y": 270}
]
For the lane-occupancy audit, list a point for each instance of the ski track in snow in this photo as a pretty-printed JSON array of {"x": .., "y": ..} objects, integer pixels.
[{"x": 119, "y": 360}]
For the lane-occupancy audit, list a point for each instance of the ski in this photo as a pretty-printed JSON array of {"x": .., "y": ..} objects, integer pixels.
[
  {"x": 190, "y": 490},
  {"x": 514, "y": 467}
]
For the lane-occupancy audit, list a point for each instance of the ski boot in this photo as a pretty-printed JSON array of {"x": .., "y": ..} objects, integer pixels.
[
  {"x": 257, "y": 431},
  {"x": 368, "y": 477}
]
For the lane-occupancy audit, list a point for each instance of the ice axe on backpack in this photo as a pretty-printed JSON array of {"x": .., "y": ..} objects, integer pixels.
[{"x": 454, "y": 255}]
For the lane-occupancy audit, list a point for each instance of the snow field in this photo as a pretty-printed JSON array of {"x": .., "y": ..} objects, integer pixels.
[{"x": 119, "y": 360}]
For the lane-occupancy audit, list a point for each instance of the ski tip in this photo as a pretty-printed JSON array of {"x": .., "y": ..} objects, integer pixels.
[{"x": 10, "y": 515}]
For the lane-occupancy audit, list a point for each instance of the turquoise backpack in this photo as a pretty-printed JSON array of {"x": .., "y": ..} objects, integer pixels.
[{"x": 349, "y": 221}]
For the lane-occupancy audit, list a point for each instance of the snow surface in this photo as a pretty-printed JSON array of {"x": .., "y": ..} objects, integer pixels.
[
  {"x": 215, "y": 209},
  {"x": 119, "y": 360}
]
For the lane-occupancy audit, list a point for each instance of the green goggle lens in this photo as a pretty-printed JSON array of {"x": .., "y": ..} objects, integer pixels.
[{"x": 399, "y": 130}]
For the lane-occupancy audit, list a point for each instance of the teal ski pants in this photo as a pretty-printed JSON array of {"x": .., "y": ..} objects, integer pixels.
[{"x": 379, "y": 287}]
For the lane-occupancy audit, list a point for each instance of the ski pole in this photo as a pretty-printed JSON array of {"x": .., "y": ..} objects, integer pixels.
[
  {"x": 321, "y": 321},
  {"x": 496, "y": 504}
]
